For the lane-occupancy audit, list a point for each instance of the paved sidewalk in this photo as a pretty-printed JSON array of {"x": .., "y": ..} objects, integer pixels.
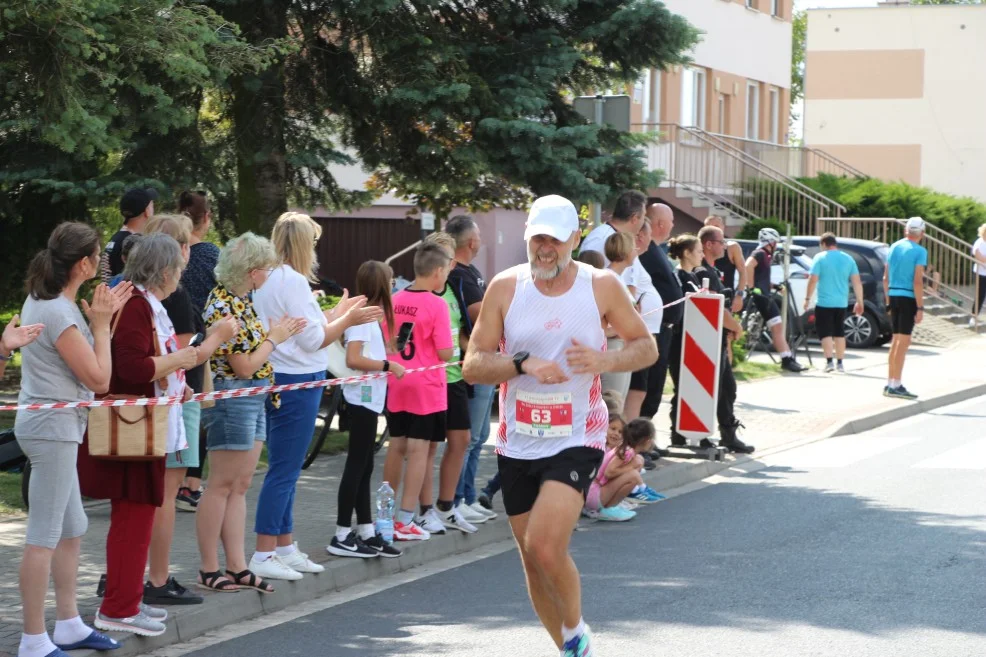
[{"x": 777, "y": 411}]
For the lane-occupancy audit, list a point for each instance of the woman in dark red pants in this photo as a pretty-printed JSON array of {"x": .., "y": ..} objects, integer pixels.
[{"x": 147, "y": 363}]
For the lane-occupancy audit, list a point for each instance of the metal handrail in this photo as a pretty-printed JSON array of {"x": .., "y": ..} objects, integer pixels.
[
  {"x": 824, "y": 200},
  {"x": 402, "y": 252},
  {"x": 716, "y": 200},
  {"x": 825, "y": 155}
]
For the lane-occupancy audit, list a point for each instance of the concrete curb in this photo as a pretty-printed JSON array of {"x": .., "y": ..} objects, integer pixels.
[{"x": 340, "y": 574}]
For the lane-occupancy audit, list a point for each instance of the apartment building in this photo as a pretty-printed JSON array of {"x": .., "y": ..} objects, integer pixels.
[
  {"x": 898, "y": 92},
  {"x": 739, "y": 83}
]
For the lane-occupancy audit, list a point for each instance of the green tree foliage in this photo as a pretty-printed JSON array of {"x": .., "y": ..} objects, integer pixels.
[
  {"x": 799, "y": 36},
  {"x": 455, "y": 103},
  {"x": 88, "y": 85}
]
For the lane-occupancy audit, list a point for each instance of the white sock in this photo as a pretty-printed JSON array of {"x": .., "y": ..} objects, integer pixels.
[
  {"x": 285, "y": 550},
  {"x": 637, "y": 489},
  {"x": 569, "y": 634},
  {"x": 785, "y": 354},
  {"x": 35, "y": 645},
  {"x": 342, "y": 532},
  {"x": 71, "y": 631},
  {"x": 261, "y": 557},
  {"x": 367, "y": 532}
]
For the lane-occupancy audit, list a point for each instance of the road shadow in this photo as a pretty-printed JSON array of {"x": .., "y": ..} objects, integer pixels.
[{"x": 756, "y": 553}]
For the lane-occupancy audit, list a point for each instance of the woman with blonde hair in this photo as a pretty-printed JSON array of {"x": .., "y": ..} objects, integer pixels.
[
  {"x": 236, "y": 428},
  {"x": 301, "y": 359}
]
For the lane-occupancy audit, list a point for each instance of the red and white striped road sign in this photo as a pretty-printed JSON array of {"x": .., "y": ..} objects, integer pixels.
[{"x": 698, "y": 383}]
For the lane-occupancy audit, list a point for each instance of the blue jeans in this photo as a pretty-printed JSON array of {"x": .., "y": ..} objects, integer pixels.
[
  {"x": 480, "y": 407},
  {"x": 289, "y": 432}
]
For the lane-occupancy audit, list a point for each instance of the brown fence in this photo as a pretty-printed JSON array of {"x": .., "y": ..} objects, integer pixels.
[{"x": 348, "y": 242}]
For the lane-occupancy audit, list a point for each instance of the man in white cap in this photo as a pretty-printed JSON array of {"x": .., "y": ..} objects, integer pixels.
[
  {"x": 539, "y": 336},
  {"x": 903, "y": 284}
]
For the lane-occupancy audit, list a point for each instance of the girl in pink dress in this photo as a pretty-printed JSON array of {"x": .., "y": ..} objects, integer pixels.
[{"x": 619, "y": 472}]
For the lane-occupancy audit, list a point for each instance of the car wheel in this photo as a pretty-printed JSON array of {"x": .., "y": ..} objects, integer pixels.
[{"x": 861, "y": 331}]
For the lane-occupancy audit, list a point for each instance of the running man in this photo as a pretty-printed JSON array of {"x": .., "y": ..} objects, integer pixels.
[
  {"x": 831, "y": 271},
  {"x": 903, "y": 283},
  {"x": 758, "y": 271},
  {"x": 535, "y": 338}
]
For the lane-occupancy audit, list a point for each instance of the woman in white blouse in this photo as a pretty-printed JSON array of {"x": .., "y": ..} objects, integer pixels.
[{"x": 303, "y": 358}]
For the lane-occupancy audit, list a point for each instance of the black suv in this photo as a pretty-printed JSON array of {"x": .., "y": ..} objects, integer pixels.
[{"x": 873, "y": 327}]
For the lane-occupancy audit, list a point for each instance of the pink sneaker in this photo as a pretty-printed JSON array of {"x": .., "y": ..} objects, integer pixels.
[{"x": 409, "y": 532}]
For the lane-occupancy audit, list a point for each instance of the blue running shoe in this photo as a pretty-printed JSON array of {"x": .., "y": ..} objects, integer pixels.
[
  {"x": 95, "y": 641},
  {"x": 580, "y": 646},
  {"x": 646, "y": 495},
  {"x": 654, "y": 495},
  {"x": 616, "y": 514}
]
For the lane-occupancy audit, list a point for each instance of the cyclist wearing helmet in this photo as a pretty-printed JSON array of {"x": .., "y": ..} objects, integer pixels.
[{"x": 758, "y": 271}]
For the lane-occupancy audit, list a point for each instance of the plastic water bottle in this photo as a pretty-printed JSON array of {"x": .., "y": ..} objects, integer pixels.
[{"x": 385, "y": 512}]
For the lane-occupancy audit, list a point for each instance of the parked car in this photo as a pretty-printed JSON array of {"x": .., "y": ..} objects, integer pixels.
[
  {"x": 797, "y": 275},
  {"x": 873, "y": 327}
]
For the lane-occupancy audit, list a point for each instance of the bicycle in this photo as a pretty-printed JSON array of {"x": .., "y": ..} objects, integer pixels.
[
  {"x": 334, "y": 403},
  {"x": 758, "y": 335}
]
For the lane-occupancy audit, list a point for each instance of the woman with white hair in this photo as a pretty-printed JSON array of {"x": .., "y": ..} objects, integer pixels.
[
  {"x": 147, "y": 362},
  {"x": 236, "y": 427},
  {"x": 303, "y": 358}
]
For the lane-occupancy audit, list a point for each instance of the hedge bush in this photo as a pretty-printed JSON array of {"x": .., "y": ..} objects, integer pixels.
[{"x": 752, "y": 228}]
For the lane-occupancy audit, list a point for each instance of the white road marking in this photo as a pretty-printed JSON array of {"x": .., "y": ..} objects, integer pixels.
[{"x": 839, "y": 452}]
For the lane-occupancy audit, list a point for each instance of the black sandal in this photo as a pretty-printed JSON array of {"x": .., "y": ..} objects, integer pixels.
[
  {"x": 216, "y": 581},
  {"x": 253, "y": 581}
]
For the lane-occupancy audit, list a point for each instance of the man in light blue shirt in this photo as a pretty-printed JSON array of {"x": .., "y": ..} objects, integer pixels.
[
  {"x": 903, "y": 283},
  {"x": 832, "y": 271}
]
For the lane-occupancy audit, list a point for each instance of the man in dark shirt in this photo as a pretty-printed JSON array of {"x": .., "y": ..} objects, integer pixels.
[
  {"x": 657, "y": 264},
  {"x": 713, "y": 247},
  {"x": 469, "y": 288},
  {"x": 137, "y": 207}
]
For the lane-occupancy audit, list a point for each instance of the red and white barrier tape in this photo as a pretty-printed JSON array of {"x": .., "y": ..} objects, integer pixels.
[
  {"x": 218, "y": 394},
  {"x": 245, "y": 392}
]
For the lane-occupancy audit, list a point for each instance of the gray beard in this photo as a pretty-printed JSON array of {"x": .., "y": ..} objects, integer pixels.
[{"x": 549, "y": 274}]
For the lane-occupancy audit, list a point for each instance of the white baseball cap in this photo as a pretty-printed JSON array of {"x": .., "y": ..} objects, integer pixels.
[
  {"x": 915, "y": 225},
  {"x": 553, "y": 215}
]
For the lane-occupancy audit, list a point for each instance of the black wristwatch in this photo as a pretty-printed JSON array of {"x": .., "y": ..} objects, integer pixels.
[{"x": 519, "y": 359}]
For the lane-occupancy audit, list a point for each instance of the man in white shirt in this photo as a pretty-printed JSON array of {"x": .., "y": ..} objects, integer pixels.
[
  {"x": 628, "y": 217},
  {"x": 652, "y": 309}
]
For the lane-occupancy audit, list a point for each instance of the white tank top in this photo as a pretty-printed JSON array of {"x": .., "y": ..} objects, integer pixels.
[{"x": 540, "y": 420}]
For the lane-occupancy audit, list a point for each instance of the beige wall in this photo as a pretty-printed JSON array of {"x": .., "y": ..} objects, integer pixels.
[
  {"x": 899, "y": 92},
  {"x": 864, "y": 74}
]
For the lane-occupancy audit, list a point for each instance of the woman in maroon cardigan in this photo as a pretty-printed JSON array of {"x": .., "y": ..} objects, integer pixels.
[{"x": 136, "y": 488}]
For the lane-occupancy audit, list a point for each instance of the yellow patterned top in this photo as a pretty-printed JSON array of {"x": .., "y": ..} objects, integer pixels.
[{"x": 222, "y": 302}]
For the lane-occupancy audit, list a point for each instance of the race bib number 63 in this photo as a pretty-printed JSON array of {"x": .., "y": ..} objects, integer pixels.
[{"x": 544, "y": 415}]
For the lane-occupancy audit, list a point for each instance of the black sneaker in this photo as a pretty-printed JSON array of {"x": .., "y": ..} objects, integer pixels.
[
  {"x": 677, "y": 440},
  {"x": 485, "y": 501},
  {"x": 738, "y": 446},
  {"x": 187, "y": 500},
  {"x": 648, "y": 462},
  {"x": 172, "y": 593},
  {"x": 351, "y": 547},
  {"x": 900, "y": 392},
  {"x": 381, "y": 547},
  {"x": 792, "y": 365},
  {"x": 705, "y": 443},
  {"x": 101, "y": 587}
]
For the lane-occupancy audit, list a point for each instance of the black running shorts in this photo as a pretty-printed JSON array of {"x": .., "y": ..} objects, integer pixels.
[
  {"x": 903, "y": 311},
  {"x": 521, "y": 479},
  {"x": 457, "y": 417},
  {"x": 830, "y": 322}
]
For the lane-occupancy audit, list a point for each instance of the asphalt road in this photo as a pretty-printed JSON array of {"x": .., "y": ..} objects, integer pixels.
[{"x": 865, "y": 545}]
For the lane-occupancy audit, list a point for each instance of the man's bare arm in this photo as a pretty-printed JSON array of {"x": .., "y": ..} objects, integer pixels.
[
  {"x": 812, "y": 283},
  {"x": 751, "y": 265},
  {"x": 736, "y": 256},
  {"x": 857, "y": 287},
  {"x": 483, "y": 363}
]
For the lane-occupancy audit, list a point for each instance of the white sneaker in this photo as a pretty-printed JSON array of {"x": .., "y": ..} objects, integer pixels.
[
  {"x": 482, "y": 510},
  {"x": 454, "y": 520},
  {"x": 273, "y": 568},
  {"x": 299, "y": 561},
  {"x": 409, "y": 532},
  {"x": 431, "y": 522},
  {"x": 469, "y": 515}
]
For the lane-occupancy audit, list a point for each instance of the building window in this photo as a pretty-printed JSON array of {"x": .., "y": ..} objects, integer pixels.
[
  {"x": 693, "y": 98},
  {"x": 752, "y": 110},
  {"x": 775, "y": 7},
  {"x": 655, "y": 96},
  {"x": 749, "y": 4},
  {"x": 722, "y": 114},
  {"x": 775, "y": 116}
]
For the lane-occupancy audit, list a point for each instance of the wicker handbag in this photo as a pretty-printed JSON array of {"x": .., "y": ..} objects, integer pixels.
[{"x": 129, "y": 433}]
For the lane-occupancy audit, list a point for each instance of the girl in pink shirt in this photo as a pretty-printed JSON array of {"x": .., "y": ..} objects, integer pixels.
[{"x": 619, "y": 472}]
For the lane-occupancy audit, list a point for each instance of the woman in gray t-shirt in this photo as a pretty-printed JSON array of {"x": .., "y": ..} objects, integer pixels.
[{"x": 68, "y": 361}]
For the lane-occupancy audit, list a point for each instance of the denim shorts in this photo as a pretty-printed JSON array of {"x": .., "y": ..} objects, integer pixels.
[
  {"x": 235, "y": 424},
  {"x": 191, "y": 413}
]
